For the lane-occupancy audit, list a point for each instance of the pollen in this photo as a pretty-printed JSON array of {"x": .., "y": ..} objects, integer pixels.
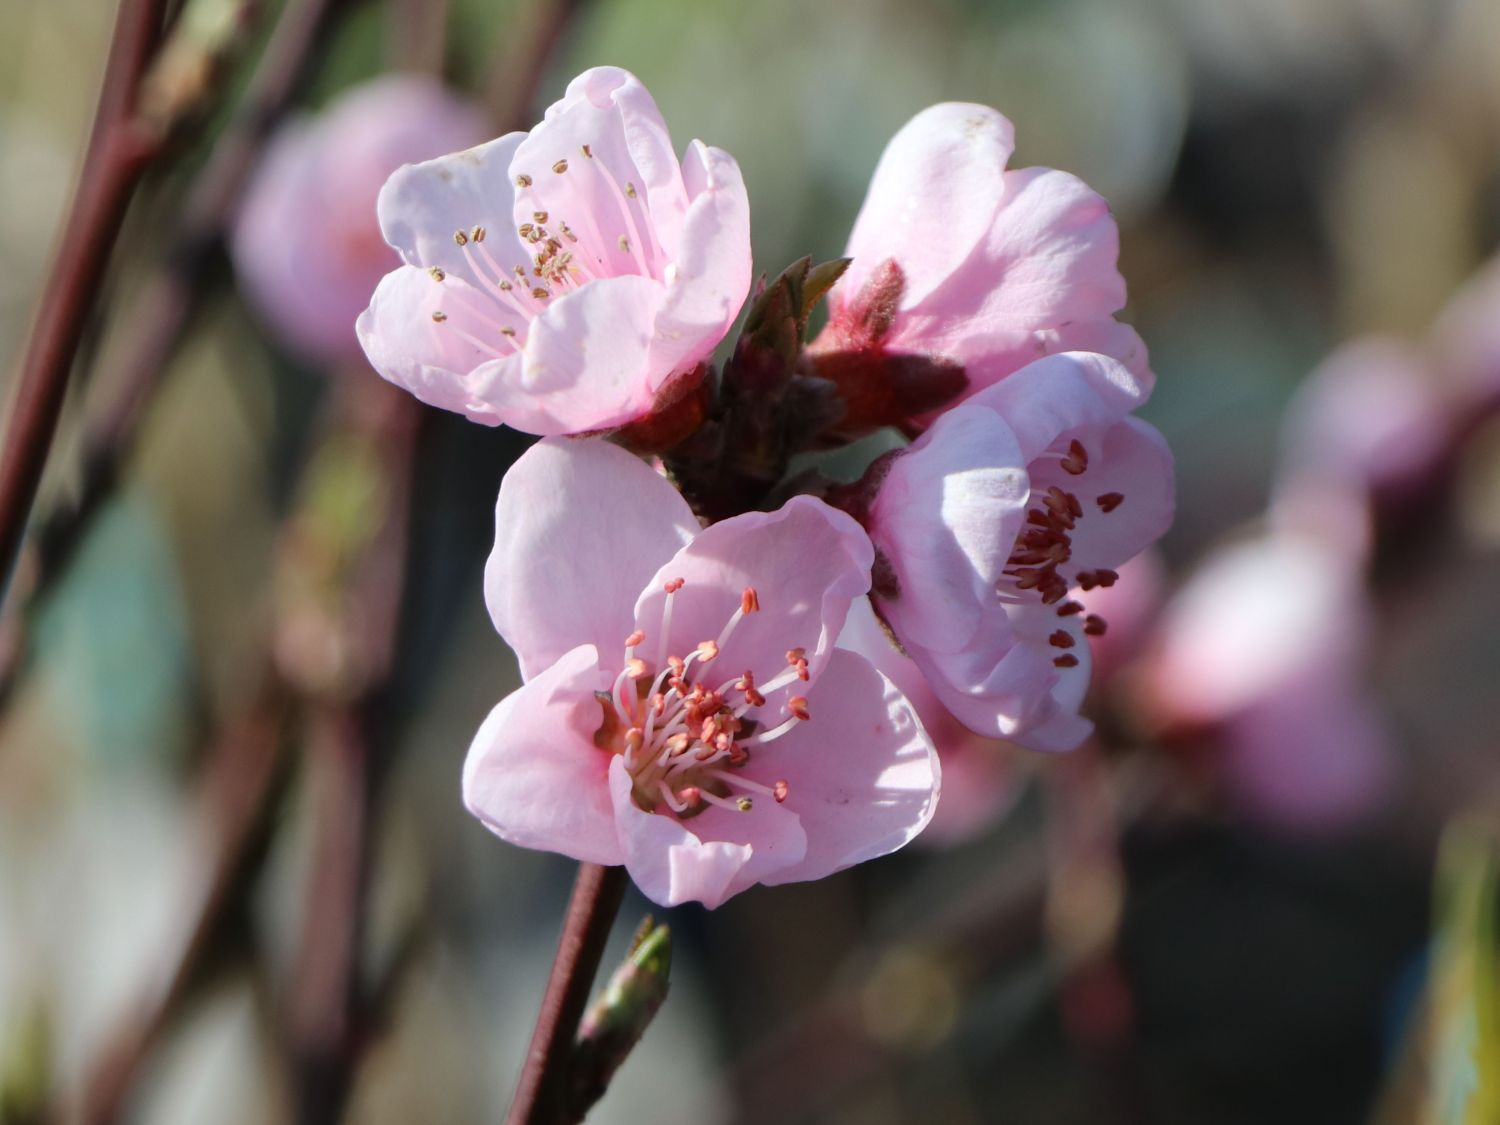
[
  {"x": 1094, "y": 625},
  {"x": 1077, "y": 460},
  {"x": 461, "y": 238},
  {"x": 586, "y": 151},
  {"x": 1066, "y": 660},
  {"x": 436, "y": 274},
  {"x": 797, "y": 705},
  {"x": 1061, "y": 639},
  {"x": 438, "y": 316},
  {"x": 1110, "y": 501},
  {"x": 523, "y": 180},
  {"x": 560, "y": 167},
  {"x": 749, "y": 600}
]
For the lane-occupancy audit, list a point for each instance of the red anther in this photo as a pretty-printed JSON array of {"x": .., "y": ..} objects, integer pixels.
[
  {"x": 1077, "y": 460},
  {"x": 707, "y": 650},
  {"x": 636, "y": 668},
  {"x": 679, "y": 743},
  {"x": 1075, "y": 508},
  {"x": 1061, "y": 639},
  {"x": 705, "y": 754},
  {"x": 738, "y": 755},
  {"x": 778, "y": 790},
  {"x": 746, "y": 682},
  {"x": 634, "y": 639},
  {"x": 722, "y": 742},
  {"x": 797, "y": 705},
  {"x": 1068, "y": 609},
  {"x": 659, "y": 702},
  {"x": 635, "y": 738},
  {"x": 801, "y": 667},
  {"x": 1066, "y": 660},
  {"x": 1038, "y": 517},
  {"x": 795, "y": 654},
  {"x": 754, "y": 698},
  {"x": 1086, "y": 579},
  {"x": 1055, "y": 592},
  {"x": 673, "y": 586},
  {"x": 1106, "y": 578},
  {"x": 1094, "y": 625},
  {"x": 708, "y": 729},
  {"x": 1110, "y": 501},
  {"x": 689, "y": 795},
  {"x": 749, "y": 600},
  {"x": 677, "y": 664}
]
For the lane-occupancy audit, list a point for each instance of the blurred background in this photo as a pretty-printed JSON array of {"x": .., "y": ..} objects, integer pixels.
[{"x": 237, "y": 883}]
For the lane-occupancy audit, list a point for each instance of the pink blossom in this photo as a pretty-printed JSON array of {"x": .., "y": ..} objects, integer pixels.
[
  {"x": 564, "y": 280},
  {"x": 1263, "y": 646},
  {"x": 955, "y": 256},
  {"x": 307, "y": 244},
  {"x": 981, "y": 776},
  {"x": 684, "y": 710},
  {"x": 993, "y": 527}
]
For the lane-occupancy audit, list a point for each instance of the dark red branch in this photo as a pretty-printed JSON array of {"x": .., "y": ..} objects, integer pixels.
[
  {"x": 119, "y": 150},
  {"x": 541, "y": 1095}
]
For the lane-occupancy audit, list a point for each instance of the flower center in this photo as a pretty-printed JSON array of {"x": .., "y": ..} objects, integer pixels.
[
  {"x": 1046, "y": 544},
  {"x": 686, "y": 743},
  {"x": 561, "y": 259}
]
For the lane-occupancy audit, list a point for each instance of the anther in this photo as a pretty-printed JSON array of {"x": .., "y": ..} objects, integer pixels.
[
  {"x": 523, "y": 180},
  {"x": 586, "y": 151},
  {"x": 436, "y": 274},
  {"x": 560, "y": 167},
  {"x": 539, "y": 216},
  {"x": 778, "y": 790},
  {"x": 673, "y": 585},
  {"x": 797, "y": 705},
  {"x": 1061, "y": 639},
  {"x": 1077, "y": 460},
  {"x": 707, "y": 650},
  {"x": 507, "y": 331},
  {"x": 1068, "y": 609},
  {"x": 749, "y": 601},
  {"x": 1066, "y": 660},
  {"x": 1110, "y": 501},
  {"x": 1094, "y": 625},
  {"x": 744, "y": 804},
  {"x": 635, "y": 638},
  {"x": 630, "y": 190},
  {"x": 439, "y": 315},
  {"x": 461, "y": 238},
  {"x": 478, "y": 233},
  {"x": 540, "y": 293},
  {"x": 636, "y": 668}
]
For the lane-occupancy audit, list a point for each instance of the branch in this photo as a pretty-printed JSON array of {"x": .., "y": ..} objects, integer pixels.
[
  {"x": 119, "y": 150},
  {"x": 542, "y": 1094}
]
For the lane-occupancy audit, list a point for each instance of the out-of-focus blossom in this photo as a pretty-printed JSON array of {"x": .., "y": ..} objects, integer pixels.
[
  {"x": 1040, "y": 485},
  {"x": 1130, "y": 606},
  {"x": 565, "y": 280},
  {"x": 307, "y": 244},
  {"x": 685, "y": 712},
  {"x": 1466, "y": 339},
  {"x": 956, "y": 257},
  {"x": 981, "y": 776},
  {"x": 1262, "y": 647},
  {"x": 1368, "y": 421}
]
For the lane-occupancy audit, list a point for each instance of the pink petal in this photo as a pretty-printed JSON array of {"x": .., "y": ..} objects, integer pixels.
[
  {"x": 1129, "y": 459},
  {"x": 580, "y": 527},
  {"x": 862, "y": 774},
  {"x": 586, "y": 360},
  {"x": 933, "y": 195},
  {"x": 707, "y": 859},
  {"x": 422, "y": 206},
  {"x": 945, "y": 517},
  {"x": 710, "y": 275},
  {"x": 805, "y": 561},
  {"x": 533, "y": 774},
  {"x": 443, "y": 364},
  {"x": 1046, "y": 399}
]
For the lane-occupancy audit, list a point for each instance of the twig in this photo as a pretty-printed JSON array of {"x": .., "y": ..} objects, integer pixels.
[
  {"x": 541, "y": 1095},
  {"x": 521, "y": 63},
  {"x": 119, "y": 150},
  {"x": 165, "y": 303}
]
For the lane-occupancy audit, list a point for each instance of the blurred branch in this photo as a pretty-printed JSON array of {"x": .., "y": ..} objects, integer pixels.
[
  {"x": 233, "y": 798},
  {"x": 162, "y": 308},
  {"x": 522, "y": 59},
  {"x": 542, "y": 1094},
  {"x": 118, "y": 151}
]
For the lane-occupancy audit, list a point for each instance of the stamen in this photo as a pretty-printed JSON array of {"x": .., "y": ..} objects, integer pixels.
[
  {"x": 1110, "y": 501},
  {"x": 1066, "y": 660},
  {"x": 560, "y": 167},
  {"x": 1077, "y": 460},
  {"x": 1094, "y": 625},
  {"x": 634, "y": 639},
  {"x": 1068, "y": 609},
  {"x": 749, "y": 600},
  {"x": 1061, "y": 639},
  {"x": 436, "y": 274},
  {"x": 797, "y": 705},
  {"x": 523, "y": 180}
]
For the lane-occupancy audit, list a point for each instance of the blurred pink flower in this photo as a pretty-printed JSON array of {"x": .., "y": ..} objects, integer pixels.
[
  {"x": 955, "y": 256},
  {"x": 981, "y": 776},
  {"x": 561, "y": 281},
  {"x": 1130, "y": 606},
  {"x": 1466, "y": 339},
  {"x": 1039, "y": 485},
  {"x": 307, "y": 244},
  {"x": 684, "y": 710},
  {"x": 1263, "y": 646}
]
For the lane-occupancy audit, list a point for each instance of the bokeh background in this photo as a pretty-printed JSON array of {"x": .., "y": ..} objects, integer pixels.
[{"x": 1162, "y": 928}]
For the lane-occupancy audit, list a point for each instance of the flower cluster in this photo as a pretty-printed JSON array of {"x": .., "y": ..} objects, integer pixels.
[{"x": 733, "y": 674}]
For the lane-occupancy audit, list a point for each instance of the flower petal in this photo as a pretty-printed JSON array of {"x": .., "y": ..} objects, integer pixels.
[
  {"x": 707, "y": 859},
  {"x": 580, "y": 527},
  {"x": 586, "y": 358},
  {"x": 945, "y": 518},
  {"x": 862, "y": 774},
  {"x": 1046, "y": 399},
  {"x": 710, "y": 273},
  {"x": 442, "y": 363},
  {"x": 423, "y": 206},
  {"x": 805, "y": 561},
  {"x": 937, "y": 188},
  {"x": 533, "y": 774}
]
